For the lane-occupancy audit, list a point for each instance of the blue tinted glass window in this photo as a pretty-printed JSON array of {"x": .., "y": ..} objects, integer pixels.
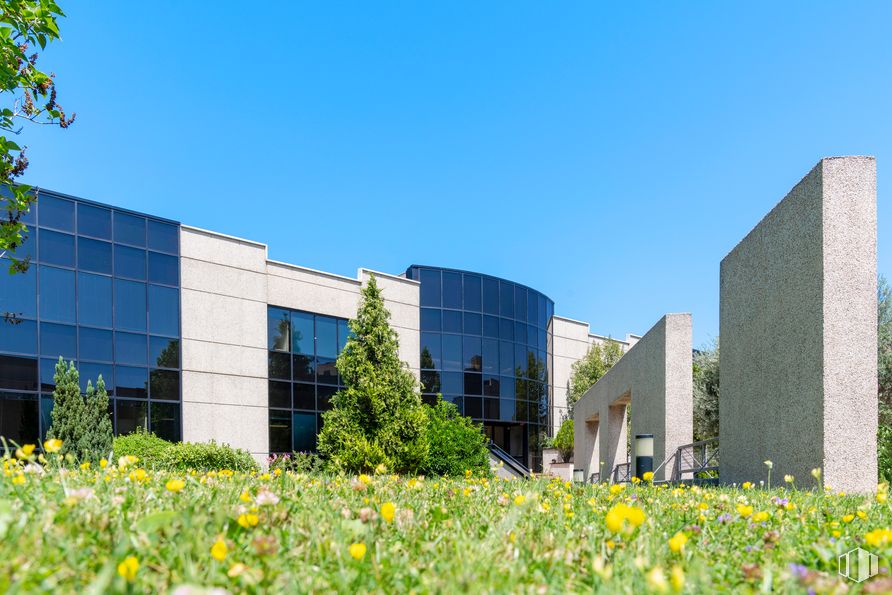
[
  {"x": 304, "y": 425},
  {"x": 326, "y": 337},
  {"x": 472, "y": 293},
  {"x": 18, "y": 293},
  {"x": 26, "y": 249},
  {"x": 56, "y": 248},
  {"x": 164, "y": 310},
  {"x": 430, "y": 351},
  {"x": 452, "y": 383},
  {"x": 131, "y": 415},
  {"x": 46, "y": 413},
  {"x": 94, "y": 300},
  {"x": 549, "y": 311},
  {"x": 131, "y": 382},
  {"x": 532, "y": 308},
  {"x": 95, "y": 344},
  {"x": 430, "y": 288},
  {"x": 506, "y": 386},
  {"x": 56, "y": 212},
  {"x": 278, "y": 329},
  {"x": 19, "y": 418},
  {"x": 490, "y": 296},
  {"x": 58, "y": 339},
  {"x": 164, "y": 385},
  {"x": 452, "y": 321},
  {"x": 490, "y": 326},
  {"x": 532, "y": 335},
  {"x": 472, "y": 354},
  {"x": 304, "y": 396},
  {"x": 163, "y": 237},
  {"x": 93, "y": 221},
  {"x": 20, "y": 337},
  {"x": 93, "y": 255},
  {"x": 520, "y": 332},
  {"x": 130, "y": 262},
  {"x": 302, "y": 333},
  {"x": 279, "y": 394},
  {"x": 57, "y": 294},
  {"x": 490, "y": 356},
  {"x": 507, "y": 330},
  {"x": 430, "y": 319},
  {"x": 506, "y": 357},
  {"x": 452, "y": 293},
  {"x": 543, "y": 340},
  {"x": 130, "y": 349},
  {"x": 279, "y": 365},
  {"x": 280, "y": 431},
  {"x": 343, "y": 334},
  {"x": 326, "y": 371},
  {"x": 164, "y": 268},
  {"x": 324, "y": 395},
  {"x": 542, "y": 309},
  {"x": 472, "y": 323},
  {"x": 520, "y": 302},
  {"x": 18, "y": 373},
  {"x": 165, "y": 420},
  {"x": 29, "y": 216},
  {"x": 130, "y": 229},
  {"x": 303, "y": 368},
  {"x": 92, "y": 372},
  {"x": 473, "y": 384},
  {"x": 452, "y": 347},
  {"x": 506, "y": 299},
  {"x": 130, "y": 305},
  {"x": 164, "y": 352},
  {"x": 520, "y": 359},
  {"x": 48, "y": 373},
  {"x": 507, "y": 411}
]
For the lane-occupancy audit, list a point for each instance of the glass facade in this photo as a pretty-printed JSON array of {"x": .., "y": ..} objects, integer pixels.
[
  {"x": 303, "y": 348},
  {"x": 103, "y": 290},
  {"x": 484, "y": 346}
]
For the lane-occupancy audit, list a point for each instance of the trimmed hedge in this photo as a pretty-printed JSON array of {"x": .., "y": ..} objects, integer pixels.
[
  {"x": 157, "y": 453},
  {"x": 142, "y": 444}
]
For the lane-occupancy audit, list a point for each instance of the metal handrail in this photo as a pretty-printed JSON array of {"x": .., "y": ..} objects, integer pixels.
[
  {"x": 625, "y": 469},
  {"x": 594, "y": 477},
  {"x": 506, "y": 458}
]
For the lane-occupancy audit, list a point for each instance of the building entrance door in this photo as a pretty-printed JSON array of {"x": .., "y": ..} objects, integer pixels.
[{"x": 512, "y": 438}]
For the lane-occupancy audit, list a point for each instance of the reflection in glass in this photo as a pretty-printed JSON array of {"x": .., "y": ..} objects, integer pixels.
[
  {"x": 20, "y": 337},
  {"x": 279, "y": 431},
  {"x": 302, "y": 333},
  {"x": 56, "y": 248},
  {"x": 452, "y": 291},
  {"x": 326, "y": 337},
  {"x": 55, "y": 212},
  {"x": 19, "y": 418},
  {"x": 472, "y": 293},
  {"x": 94, "y": 300},
  {"x": 164, "y": 352},
  {"x": 57, "y": 294},
  {"x": 130, "y": 305},
  {"x": 164, "y": 310},
  {"x": 131, "y": 382},
  {"x": 164, "y": 385},
  {"x": 18, "y": 373},
  {"x": 58, "y": 339},
  {"x": 166, "y": 420},
  {"x": 130, "y": 229},
  {"x": 95, "y": 344},
  {"x": 304, "y": 432},
  {"x": 163, "y": 237},
  {"x": 18, "y": 293},
  {"x": 93, "y": 221},
  {"x": 279, "y": 329},
  {"x": 93, "y": 255},
  {"x": 131, "y": 415},
  {"x": 130, "y": 262}
]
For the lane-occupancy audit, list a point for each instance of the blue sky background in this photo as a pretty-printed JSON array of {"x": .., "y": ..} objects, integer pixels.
[{"x": 607, "y": 156}]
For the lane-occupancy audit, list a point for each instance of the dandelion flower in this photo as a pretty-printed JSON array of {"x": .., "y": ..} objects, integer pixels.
[
  {"x": 648, "y": 476},
  {"x": 676, "y": 543},
  {"x": 175, "y": 485},
  {"x": 519, "y": 499},
  {"x": 387, "y": 511},
  {"x": 52, "y": 445},
  {"x": 357, "y": 550},
  {"x": 248, "y": 520},
  {"x": 219, "y": 550}
]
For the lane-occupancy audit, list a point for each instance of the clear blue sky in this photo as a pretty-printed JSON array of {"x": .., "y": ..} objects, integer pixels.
[{"x": 609, "y": 157}]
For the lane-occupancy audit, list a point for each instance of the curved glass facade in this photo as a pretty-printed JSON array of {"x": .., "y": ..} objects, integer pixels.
[{"x": 485, "y": 347}]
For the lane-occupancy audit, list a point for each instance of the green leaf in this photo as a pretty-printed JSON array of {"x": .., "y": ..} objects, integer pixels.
[{"x": 153, "y": 522}]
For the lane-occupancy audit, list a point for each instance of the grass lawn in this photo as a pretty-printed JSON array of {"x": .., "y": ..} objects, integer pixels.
[{"x": 123, "y": 528}]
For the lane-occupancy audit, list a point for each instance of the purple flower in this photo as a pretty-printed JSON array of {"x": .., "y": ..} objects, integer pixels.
[
  {"x": 798, "y": 570},
  {"x": 724, "y": 518}
]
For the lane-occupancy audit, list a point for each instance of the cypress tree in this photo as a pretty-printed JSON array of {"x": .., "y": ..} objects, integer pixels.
[
  {"x": 96, "y": 434},
  {"x": 378, "y": 418}
]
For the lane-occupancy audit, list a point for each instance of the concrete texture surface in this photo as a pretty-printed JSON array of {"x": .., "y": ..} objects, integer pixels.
[
  {"x": 798, "y": 335},
  {"x": 655, "y": 377}
]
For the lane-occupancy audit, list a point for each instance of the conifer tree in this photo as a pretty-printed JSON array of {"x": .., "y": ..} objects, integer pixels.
[
  {"x": 96, "y": 433},
  {"x": 68, "y": 407},
  {"x": 378, "y": 418}
]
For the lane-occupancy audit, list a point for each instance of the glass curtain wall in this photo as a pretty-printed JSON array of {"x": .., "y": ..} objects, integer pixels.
[
  {"x": 484, "y": 347},
  {"x": 103, "y": 290}
]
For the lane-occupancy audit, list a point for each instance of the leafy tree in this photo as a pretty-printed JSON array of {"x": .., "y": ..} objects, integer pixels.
[
  {"x": 884, "y": 349},
  {"x": 68, "y": 412},
  {"x": 563, "y": 440},
  {"x": 587, "y": 371},
  {"x": 457, "y": 444},
  {"x": 96, "y": 434},
  {"x": 378, "y": 418},
  {"x": 706, "y": 392},
  {"x": 25, "y": 25}
]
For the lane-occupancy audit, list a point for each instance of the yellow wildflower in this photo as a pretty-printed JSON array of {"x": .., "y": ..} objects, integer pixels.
[
  {"x": 103, "y": 463},
  {"x": 617, "y": 488},
  {"x": 761, "y": 516},
  {"x": 676, "y": 578},
  {"x": 648, "y": 476},
  {"x": 357, "y": 550},
  {"x": 878, "y": 537},
  {"x": 788, "y": 478},
  {"x": 85, "y": 466},
  {"x": 219, "y": 550},
  {"x": 848, "y": 518},
  {"x": 128, "y": 567},
  {"x": 676, "y": 543},
  {"x": 19, "y": 479},
  {"x": 25, "y": 451},
  {"x": 747, "y": 485},
  {"x": 248, "y": 520},
  {"x": 236, "y": 570},
  {"x": 744, "y": 510},
  {"x": 245, "y": 497},
  {"x": 387, "y": 511},
  {"x": 175, "y": 485},
  {"x": 365, "y": 479},
  {"x": 656, "y": 580},
  {"x": 519, "y": 499},
  {"x": 52, "y": 445}
]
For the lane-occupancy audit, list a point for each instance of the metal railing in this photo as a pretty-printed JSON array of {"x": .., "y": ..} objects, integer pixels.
[
  {"x": 622, "y": 473},
  {"x": 693, "y": 462},
  {"x": 594, "y": 477},
  {"x": 509, "y": 461}
]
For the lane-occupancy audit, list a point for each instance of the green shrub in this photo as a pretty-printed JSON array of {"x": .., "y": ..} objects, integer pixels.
[
  {"x": 297, "y": 462},
  {"x": 563, "y": 440},
  {"x": 81, "y": 423},
  {"x": 145, "y": 445},
  {"x": 206, "y": 456},
  {"x": 884, "y": 453},
  {"x": 456, "y": 444}
]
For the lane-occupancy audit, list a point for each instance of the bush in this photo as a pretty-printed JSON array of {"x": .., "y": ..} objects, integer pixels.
[
  {"x": 456, "y": 443},
  {"x": 202, "y": 456},
  {"x": 82, "y": 424},
  {"x": 297, "y": 462},
  {"x": 144, "y": 445},
  {"x": 563, "y": 440},
  {"x": 884, "y": 453}
]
